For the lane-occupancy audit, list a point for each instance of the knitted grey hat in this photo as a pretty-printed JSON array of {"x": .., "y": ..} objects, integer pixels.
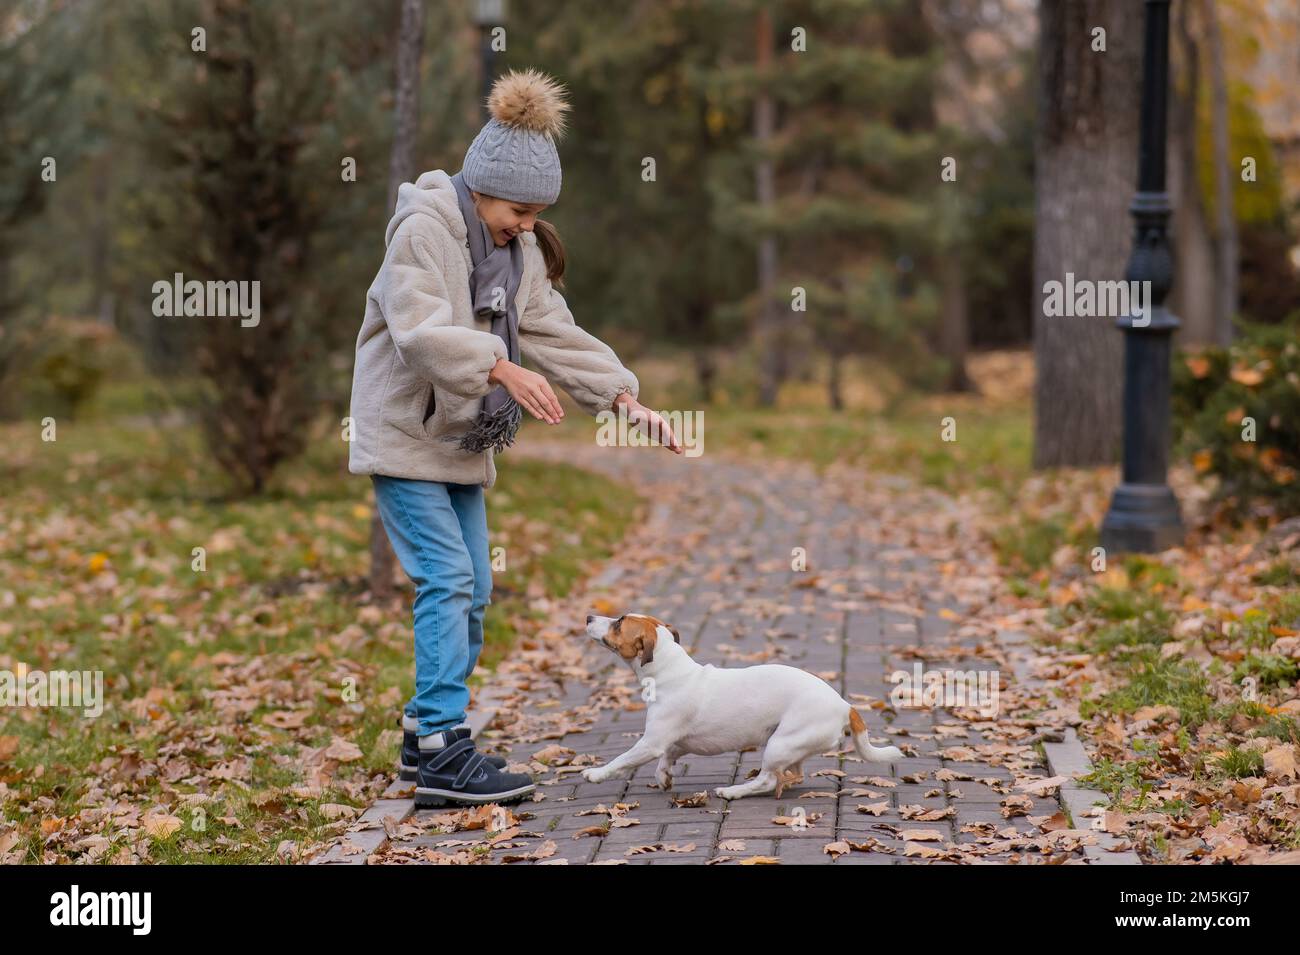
[{"x": 513, "y": 157}]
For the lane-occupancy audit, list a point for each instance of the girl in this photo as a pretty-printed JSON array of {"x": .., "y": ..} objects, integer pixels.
[{"x": 466, "y": 284}]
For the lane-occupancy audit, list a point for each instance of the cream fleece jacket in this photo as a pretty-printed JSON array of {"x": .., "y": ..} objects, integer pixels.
[{"x": 423, "y": 357}]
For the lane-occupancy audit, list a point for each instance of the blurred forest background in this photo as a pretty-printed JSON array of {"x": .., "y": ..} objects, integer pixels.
[
  {"x": 825, "y": 223},
  {"x": 775, "y": 168}
]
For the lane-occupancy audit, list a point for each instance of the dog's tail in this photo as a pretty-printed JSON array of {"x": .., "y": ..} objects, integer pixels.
[{"x": 872, "y": 754}]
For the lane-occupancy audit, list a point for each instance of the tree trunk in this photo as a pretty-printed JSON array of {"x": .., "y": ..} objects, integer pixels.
[
  {"x": 706, "y": 371},
  {"x": 406, "y": 110},
  {"x": 1085, "y": 177},
  {"x": 834, "y": 382},
  {"x": 773, "y": 352},
  {"x": 401, "y": 168},
  {"x": 954, "y": 322},
  {"x": 9, "y": 337},
  {"x": 1226, "y": 243},
  {"x": 98, "y": 298},
  {"x": 1192, "y": 297}
]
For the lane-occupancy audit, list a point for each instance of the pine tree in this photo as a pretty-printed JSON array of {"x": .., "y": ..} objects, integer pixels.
[
  {"x": 644, "y": 134},
  {"x": 246, "y": 139},
  {"x": 855, "y": 166},
  {"x": 38, "y": 122}
]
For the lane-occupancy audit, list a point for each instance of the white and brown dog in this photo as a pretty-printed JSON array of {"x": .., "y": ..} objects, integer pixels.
[{"x": 707, "y": 710}]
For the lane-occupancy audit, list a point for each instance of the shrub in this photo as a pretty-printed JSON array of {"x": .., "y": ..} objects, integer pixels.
[
  {"x": 1216, "y": 390},
  {"x": 74, "y": 357}
]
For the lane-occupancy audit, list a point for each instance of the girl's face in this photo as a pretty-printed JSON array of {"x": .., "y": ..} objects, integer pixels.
[{"x": 506, "y": 218}]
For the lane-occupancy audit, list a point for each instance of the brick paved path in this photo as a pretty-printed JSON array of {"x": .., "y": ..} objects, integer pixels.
[{"x": 866, "y": 606}]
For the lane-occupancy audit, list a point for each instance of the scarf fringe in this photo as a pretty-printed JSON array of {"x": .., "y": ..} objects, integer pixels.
[{"x": 495, "y": 430}]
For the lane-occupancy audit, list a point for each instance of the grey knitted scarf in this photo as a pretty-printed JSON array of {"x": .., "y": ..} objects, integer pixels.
[{"x": 493, "y": 283}]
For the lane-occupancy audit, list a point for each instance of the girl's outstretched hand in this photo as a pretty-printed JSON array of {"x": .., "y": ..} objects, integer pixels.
[
  {"x": 648, "y": 422},
  {"x": 532, "y": 392}
]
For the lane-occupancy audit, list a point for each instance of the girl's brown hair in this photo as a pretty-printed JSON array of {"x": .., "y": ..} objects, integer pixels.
[{"x": 548, "y": 240}]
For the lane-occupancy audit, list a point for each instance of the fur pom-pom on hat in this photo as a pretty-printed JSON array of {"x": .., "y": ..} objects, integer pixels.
[
  {"x": 529, "y": 100},
  {"x": 514, "y": 155}
]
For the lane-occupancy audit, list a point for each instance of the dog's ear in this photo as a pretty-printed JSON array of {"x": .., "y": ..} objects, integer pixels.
[
  {"x": 646, "y": 644},
  {"x": 677, "y": 637}
]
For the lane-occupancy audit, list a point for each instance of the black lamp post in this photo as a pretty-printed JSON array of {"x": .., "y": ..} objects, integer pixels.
[
  {"x": 1143, "y": 515},
  {"x": 487, "y": 14}
]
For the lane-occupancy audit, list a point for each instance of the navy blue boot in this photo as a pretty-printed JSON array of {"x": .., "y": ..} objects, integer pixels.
[
  {"x": 409, "y": 761},
  {"x": 451, "y": 772}
]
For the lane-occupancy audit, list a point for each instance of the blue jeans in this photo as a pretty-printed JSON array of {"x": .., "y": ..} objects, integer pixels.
[{"x": 439, "y": 533}]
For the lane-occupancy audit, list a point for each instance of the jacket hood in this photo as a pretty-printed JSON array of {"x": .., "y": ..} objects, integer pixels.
[{"x": 433, "y": 194}]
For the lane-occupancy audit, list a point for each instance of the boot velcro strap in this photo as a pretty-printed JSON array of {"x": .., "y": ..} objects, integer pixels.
[
  {"x": 469, "y": 769},
  {"x": 448, "y": 753}
]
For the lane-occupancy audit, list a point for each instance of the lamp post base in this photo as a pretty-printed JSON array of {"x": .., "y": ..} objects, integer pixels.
[{"x": 1142, "y": 519}]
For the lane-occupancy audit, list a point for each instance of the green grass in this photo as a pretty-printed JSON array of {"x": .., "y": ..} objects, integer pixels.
[
  {"x": 97, "y": 531},
  {"x": 1148, "y": 630},
  {"x": 992, "y": 449},
  {"x": 1239, "y": 763},
  {"x": 1029, "y": 544},
  {"x": 1152, "y": 681},
  {"x": 1112, "y": 603},
  {"x": 1268, "y": 669},
  {"x": 1033, "y": 589},
  {"x": 1146, "y": 572},
  {"x": 1280, "y": 574},
  {"x": 1255, "y": 629},
  {"x": 1125, "y": 783},
  {"x": 1280, "y": 727}
]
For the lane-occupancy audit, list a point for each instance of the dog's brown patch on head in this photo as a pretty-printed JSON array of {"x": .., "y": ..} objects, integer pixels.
[
  {"x": 677, "y": 637},
  {"x": 634, "y": 635}
]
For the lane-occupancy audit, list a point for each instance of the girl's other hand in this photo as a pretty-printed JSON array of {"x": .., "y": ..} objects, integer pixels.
[
  {"x": 648, "y": 422},
  {"x": 532, "y": 391}
]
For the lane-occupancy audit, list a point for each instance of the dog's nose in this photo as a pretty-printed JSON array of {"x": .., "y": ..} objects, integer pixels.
[{"x": 590, "y": 617}]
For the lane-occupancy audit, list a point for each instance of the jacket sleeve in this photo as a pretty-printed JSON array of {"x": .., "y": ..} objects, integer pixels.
[
  {"x": 580, "y": 363},
  {"x": 413, "y": 297}
]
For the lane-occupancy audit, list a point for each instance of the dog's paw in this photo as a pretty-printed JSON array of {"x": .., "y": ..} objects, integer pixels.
[
  {"x": 665, "y": 781},
  {"x": 595, "y": 774},
  {"x": 725, "y": 792}
]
